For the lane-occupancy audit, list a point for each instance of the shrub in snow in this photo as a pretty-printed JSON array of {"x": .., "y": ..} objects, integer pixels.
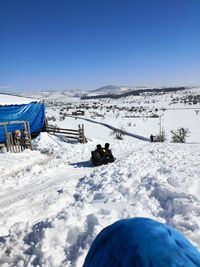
[
  {"x": 161, "y": 137},
  {"x": 62, "y": 117},
  {"x": 52, "y": 118},
  {"x": 118, "y": 133},
  {"x": 179, "y": 135}
]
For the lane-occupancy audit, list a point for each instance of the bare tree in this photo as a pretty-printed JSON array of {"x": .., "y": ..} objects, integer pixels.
[
  {"x": 179, "y": 135},
  {"x": 161, "y": 137}
]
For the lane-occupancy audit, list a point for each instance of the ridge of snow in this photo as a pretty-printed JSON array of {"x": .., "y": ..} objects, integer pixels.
[{"x": 15, "y": 100}]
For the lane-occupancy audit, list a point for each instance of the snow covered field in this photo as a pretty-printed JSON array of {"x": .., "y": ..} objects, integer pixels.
[{"x": 53, "y": 202}]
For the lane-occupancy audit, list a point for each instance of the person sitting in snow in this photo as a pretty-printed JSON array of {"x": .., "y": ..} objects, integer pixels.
[
  {"x": 98, "y": 156},
  {"x": 108, "y": 156}
]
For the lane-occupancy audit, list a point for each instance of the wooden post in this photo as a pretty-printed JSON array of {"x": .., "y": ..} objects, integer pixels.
[
  {"x": 46, "y": 124},
  {"x": 80, "y": 134},
  {"x": 29, "y": 134},
  {"x": 82, "y": 130},
  {"x": 6, "y": 136},
  {"x": 83, "y": 133},
  {"x": 21, "y": 141},
  {"x": 23, "y": 137},
  {"x": 12, "y": 148}
]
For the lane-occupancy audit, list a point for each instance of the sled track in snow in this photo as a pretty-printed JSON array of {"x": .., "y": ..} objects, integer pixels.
[{"x": 140, "y": 137}]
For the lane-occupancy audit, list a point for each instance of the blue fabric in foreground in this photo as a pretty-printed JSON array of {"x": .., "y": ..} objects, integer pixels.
[
  {"x": 33, "y": 112},
  {"x": 141, "y": 242}
]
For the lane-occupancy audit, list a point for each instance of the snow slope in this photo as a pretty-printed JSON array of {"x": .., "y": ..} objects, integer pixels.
[{"x": 53, "y": 202}]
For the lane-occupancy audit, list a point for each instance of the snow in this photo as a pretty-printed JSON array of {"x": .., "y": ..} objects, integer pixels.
[
  {"x": 15, "y": 100},
  {"x": 53, "y": 202}
]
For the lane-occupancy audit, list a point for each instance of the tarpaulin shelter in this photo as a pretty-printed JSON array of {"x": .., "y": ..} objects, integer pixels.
[{"x": 24, "y": 110}]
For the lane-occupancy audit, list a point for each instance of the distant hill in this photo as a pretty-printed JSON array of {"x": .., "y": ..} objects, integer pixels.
[
  {"x": 134, "y": 91},
  {"x": 109, "y": 90}
]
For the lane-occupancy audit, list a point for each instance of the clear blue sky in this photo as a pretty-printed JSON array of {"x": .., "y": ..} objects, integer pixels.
[{"x": 85, "y": 44}]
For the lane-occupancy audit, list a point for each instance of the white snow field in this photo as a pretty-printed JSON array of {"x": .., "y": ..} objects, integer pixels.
[
  {"x": 13, "y": 100},
  {"x": 53, "y": 202}
]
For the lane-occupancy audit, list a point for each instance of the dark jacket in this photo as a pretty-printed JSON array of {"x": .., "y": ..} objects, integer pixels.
[
  {"x": 97, "y": 157},
  {"x": 108, "y": 153}
]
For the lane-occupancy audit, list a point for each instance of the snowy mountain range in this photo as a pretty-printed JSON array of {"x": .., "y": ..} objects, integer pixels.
[{"x": 112, "y": 91}]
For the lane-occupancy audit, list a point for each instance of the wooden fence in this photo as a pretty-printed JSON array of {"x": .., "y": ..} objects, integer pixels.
[
  {"x": 68, "y": 133},
  {"x": 19, "y": 139}
]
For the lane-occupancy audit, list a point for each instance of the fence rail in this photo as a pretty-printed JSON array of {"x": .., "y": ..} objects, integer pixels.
[{"x": 68, "y": 133}]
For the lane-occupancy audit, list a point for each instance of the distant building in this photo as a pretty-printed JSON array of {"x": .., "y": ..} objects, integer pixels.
[
  {"x": 78, "y": 113},
  {"x": 155, "y": 116}
]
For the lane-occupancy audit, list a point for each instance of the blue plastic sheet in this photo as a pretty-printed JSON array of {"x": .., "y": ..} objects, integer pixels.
[
  {"x": 141, "y": 242},
  {"x": 33, "y": 112}
]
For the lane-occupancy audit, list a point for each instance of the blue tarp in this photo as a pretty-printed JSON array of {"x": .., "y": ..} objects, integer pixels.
[
  {"x": 33, "y": 112},
  {"x": 141, "y": 242}
]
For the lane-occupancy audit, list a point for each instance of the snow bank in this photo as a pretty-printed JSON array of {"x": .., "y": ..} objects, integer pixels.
[
  {"x": 61, "y": 203},
  {"x": 15, "y": 100}
]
